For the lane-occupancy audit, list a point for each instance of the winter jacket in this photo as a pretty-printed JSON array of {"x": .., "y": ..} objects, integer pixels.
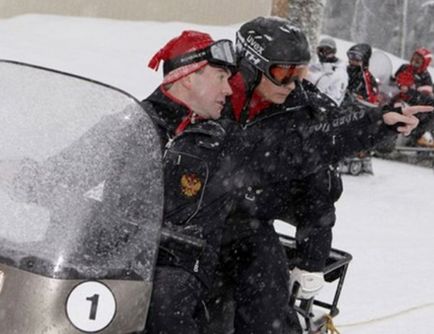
[
  {"x": 197, "y": 192},
  {"x": 291, "y": 150},
  {"x": 331, "y": 78},
  {"x": 362, "y": 84}
]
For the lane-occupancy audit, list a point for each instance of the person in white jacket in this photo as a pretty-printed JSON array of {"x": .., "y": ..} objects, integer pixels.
[{"x": 330, "y": 73}]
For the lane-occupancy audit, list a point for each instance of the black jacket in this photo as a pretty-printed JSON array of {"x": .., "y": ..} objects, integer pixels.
[
  {"x": 198, "y": 195},
  {"x": 292, "y": 146},
  {"x": 362, "y": 83}
]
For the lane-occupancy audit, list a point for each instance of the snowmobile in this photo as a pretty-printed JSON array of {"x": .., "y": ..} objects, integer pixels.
[
  {"x": 362, "y": 163},
  {"x": 78, "y": 235}
]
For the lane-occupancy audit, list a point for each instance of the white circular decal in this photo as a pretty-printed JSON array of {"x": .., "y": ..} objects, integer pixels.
[{"x": 91, "y": 306}]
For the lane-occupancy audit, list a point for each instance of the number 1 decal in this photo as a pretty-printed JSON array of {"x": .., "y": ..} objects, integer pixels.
[
  {"x": 96, "y": 315},
  {"x": 94, "y": 300}
]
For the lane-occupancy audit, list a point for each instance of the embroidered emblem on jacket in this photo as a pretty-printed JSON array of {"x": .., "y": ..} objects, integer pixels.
[{"x": 190, "y": 184}]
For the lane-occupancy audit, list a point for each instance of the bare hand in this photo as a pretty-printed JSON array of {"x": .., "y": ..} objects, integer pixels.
[
  {"x": 426, "y": 90},
  {"x": 407, "y": 118},
  {"x": 413, "y": 110}
]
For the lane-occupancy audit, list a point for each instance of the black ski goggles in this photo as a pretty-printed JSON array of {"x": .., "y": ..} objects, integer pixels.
[
  {"x": 221, "y": 53},
  {"x": 284, "y": 74},
  {"x": 324, "y": 50}
]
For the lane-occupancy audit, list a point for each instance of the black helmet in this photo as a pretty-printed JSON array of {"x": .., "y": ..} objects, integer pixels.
[
  {"x": 268, "y": 41},
  {"x": 361, "y": 52}
]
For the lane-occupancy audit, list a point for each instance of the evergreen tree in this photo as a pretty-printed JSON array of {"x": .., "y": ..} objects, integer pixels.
[{"x": 307, "y": 15}]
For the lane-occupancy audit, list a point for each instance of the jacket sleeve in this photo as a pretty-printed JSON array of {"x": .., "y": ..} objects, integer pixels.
[
  {"x": 315, "y": 217},
  {"x": 355, "y": 127}
]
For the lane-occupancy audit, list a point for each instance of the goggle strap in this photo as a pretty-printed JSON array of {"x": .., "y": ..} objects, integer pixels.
[
  {"x": 204, "y": 54},
  {"x": 185, "y": 59}
]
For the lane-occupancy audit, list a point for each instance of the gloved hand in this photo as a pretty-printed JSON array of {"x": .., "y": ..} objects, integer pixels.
[{"x": 308, "y": 284}]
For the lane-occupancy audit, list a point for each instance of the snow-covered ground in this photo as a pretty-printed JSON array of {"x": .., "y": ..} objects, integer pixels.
[{"x": 385, "y": 221}]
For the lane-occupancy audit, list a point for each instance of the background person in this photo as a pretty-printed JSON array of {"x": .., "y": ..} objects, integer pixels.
[{"x": 329, "y": 74}]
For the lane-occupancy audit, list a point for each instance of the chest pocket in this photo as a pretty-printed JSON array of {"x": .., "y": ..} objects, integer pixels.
[{"x": 186, "y": 177}]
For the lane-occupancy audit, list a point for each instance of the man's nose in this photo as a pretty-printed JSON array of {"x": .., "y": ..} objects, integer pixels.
[{"x": 227, "y": 89}]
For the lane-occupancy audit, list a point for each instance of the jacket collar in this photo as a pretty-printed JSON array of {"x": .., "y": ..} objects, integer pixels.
[{"x": 170, "y": 112}]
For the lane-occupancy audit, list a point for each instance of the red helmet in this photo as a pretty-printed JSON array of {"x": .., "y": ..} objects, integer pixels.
[
  {"x": 405, "y": 78},
  {"x": 426, "y": 57}
]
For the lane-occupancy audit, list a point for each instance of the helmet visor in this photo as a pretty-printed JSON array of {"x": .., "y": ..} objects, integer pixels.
[
  {"x": 281, "y": 74},
  {"x": 324, "y": 50},
  {"x": 220, "y": 53},
  {"x": 354, "y": 55}
]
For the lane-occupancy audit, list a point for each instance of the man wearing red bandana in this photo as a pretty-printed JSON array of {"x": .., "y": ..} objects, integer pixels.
[{"x": 185, "y": 108}]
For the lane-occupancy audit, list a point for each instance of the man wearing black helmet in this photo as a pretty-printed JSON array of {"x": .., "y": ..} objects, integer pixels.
[
  {"x": 278, "y": 111},
  {"x": 362, "y": 83}
]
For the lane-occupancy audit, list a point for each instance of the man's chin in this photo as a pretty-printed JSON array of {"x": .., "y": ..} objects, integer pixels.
[{"x": 280, "y": 99}]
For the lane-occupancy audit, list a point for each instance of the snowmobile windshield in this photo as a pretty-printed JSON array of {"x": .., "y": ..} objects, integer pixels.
[{"x": 81, "y": 192}]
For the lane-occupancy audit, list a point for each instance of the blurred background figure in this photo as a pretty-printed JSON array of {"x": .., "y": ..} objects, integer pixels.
[
  {"x": 361, "y": 83},
  {"x": 329, "y": 74},
  {"x": 416, "y": 86}
]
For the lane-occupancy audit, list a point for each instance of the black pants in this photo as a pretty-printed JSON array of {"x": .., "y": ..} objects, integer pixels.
[
  {"x": 176, "y": 298},
  {"x": 255, "y": 262}
]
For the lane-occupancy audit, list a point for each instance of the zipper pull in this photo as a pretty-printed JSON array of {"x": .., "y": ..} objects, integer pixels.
[{"x": 167, "y": 146}]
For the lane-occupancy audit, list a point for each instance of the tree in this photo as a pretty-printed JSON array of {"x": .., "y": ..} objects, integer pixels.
[
  {"x": 396, "y": 26},
  {"x": 280, "y": 8},
  {"x": 308, "y": 15},
  {"x": 305, "y": 14}
]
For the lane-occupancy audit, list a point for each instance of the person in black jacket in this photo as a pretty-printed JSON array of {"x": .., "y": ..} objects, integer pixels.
[
  {"x": 291, "y": 147},
  {"x": 361, "y": 83},
  {"x": 197, "y": 199}
]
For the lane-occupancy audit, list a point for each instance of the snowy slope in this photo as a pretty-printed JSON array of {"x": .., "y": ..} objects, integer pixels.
[{"x": 385, "y": 221}]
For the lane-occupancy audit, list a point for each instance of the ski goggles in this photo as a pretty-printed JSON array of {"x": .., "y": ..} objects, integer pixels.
[
  {"x": 354, "y": 55},
  {"x": 220, "y": 53},
  {"x": 324, "y": 50},
  {"x": 281, "y": 74}
]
